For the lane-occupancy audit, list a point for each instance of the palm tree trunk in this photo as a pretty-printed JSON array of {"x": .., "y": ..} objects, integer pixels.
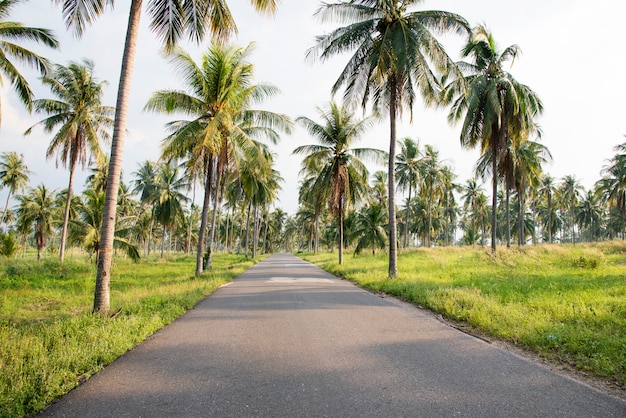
[
  {"x": 494, "y": 197},
  {"x": 204, "y": 219},
  {"x": 406, "y": 222},
  {"x": 508, "y": 217},
  {"x": 248, "y": 228},
  {"x": 213, "y": 217},
  {"x": 391, "y": 176},
  {"x": 549, "y": 218},
  {"x": 520, "y": 220},
  {"x": 162, "y": 240},
  {"x": 102, "y": 297},
  {"x": 317, "y": 231},
  {"x": 6, "y": 208},
  {"x": 66, "y": 216},
  {"x": 340, "y": 224}
]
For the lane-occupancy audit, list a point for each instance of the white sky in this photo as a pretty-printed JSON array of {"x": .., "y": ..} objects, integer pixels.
[{"x": 573, "y": 57}]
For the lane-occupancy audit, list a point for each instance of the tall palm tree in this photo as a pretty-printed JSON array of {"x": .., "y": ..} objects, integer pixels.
[
  {"x": 396, "y": 56},
  {"x": 590, "y": 213},
  {"x": 569, "y": 195},
  {"x": 546, "y": 191},
  {"x": 496, "y": 108},
  {"x": 343, "y": 176},
  {"x": 170, "y": 20},
  {"x": 81, "y": 119},
  {"x": 408, "y": 174},
  {"x": 37, "y": 208},
  {"x": 13, "y": 175},
  {"x": 472, "y": 193},
  {"x": 224, "y": 129},
  {"x": 169, "y": 198},
  {"x": 11, "y": 52}
]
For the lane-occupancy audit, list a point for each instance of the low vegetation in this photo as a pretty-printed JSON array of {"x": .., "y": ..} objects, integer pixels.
[
  {"x": 566, "y": 303},
  {"x": 50, "y": 340}
]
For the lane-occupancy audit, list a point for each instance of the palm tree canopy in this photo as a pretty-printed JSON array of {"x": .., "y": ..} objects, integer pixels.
[
  {"x": 389, "y": 42},
  {"x": 170, "y": 20},
  {"x": 13, "y": 171},
  {"x": 82, "y": 120},
  {"x": 11, "y": 52}
]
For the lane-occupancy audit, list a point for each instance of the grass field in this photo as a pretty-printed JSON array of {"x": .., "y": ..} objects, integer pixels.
[
  {"x": 50, "y": 341},
  {"x": 566, "y": 303}
]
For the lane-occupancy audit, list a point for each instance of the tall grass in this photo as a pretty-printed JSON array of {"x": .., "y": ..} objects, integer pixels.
[
  {"x": 567, "y": 303},
  {"x": 50, "y": 341}
]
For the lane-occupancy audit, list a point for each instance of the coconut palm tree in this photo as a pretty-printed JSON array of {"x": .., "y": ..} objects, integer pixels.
[
  {"x": 590, "y": 213},
  {"x": 80, "y": 119},
  {"x": 169, "y": 198},
  {"x": 85, "y": 228},
  {"x": 569, "y": 193},
  {"x": 396, "y": 56},
  {"x": 408, "y": 174},
  {"x": 11, "y": 52},
  {"x": 37, "y": 209},
  {"x": 343, "y": 176},
  {"x": 613, "y": 184},
  {"x": 225, "y": 128},
  {"x": 170, "y": 21},
  {"x": 494, "y": 106},
  {"x": 546, "y": 190},
  {"x": 13, "y": 175},
  {"x": 370, "y": 228}
]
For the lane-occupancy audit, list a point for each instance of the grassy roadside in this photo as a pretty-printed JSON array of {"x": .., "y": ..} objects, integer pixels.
[
  {"x": 50, "y": 342},
  {"x": 566, "y": 303}
]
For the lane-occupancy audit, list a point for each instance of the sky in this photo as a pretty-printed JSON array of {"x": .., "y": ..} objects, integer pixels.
[{"x": 573, "y": 57}]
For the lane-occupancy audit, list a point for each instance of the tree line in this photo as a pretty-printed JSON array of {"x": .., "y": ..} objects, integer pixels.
[{"x": 221, "y": 145}]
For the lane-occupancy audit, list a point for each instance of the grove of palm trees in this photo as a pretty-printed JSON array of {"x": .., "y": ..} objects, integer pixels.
[
  {"x": 215, "y": 184},
  {"x": 232, "y": 165}
]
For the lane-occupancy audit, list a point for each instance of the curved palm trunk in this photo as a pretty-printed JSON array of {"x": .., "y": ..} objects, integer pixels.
[
  {"x": 391, "y": 176},
  {"x": 66, "y": 216},
  {"x": 6, "y": 208},
  {"x": 102, "y": 297}
]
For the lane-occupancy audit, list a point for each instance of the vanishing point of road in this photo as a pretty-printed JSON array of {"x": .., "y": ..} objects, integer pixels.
[{"x": 286, "y": 339}]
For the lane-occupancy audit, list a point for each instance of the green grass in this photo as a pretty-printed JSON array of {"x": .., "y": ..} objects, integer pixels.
[
  {"x": 566, "y": 303},
  {"x": 50, "y": 340}
]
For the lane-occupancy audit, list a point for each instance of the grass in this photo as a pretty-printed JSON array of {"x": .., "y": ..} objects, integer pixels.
[
  {"x": 50, "y": 340},
  {"x": 566, "y": 303}
]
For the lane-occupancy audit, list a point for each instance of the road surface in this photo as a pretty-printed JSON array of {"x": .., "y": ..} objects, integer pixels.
[{"x": 286, "y": 339}]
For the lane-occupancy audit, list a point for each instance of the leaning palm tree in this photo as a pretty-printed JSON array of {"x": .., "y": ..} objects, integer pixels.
[
  {"x": 37, "y": 208},
  {"x": 11, "y": 52},
  {"x": 224, "y": 127},
  {"x": 494, "y": 106},
  {"x": 81, "y": 119},
  {"x": 396, "y": 56},
  {"x": 171, "y": 21},
  {"x": 343, "y": 176},
  {"x": 13, "y": 175}
]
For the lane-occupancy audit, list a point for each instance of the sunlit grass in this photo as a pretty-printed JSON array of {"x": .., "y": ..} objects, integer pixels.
[
  {"x": 567, "y": 303},
  {"x": 50, "y": 340}
]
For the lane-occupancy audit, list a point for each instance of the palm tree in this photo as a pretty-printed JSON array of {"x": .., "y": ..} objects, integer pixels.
[
  {"x": 496, "y": 108},
  {"x": 613, "y": 184},
  {"x": 81, "y": 118},
  {"x": 370, "y": 228},
  {"x": 472, "y": 195},
  {"x": 36, "y": 208},
  {"x": 343, "y": 176},
  {"x": 224, "y": 128},
  {"x": 170, "y": 21},
  {"x": 408, "y": 174},
  {"x": 546, "y": 190},
  {"x": 168, "y": 198},
  {"x": 432, "y": 183},
  {"x": 569, "y": 194},
  {"x": 10, "y": 52},
  {"x": 85, "y": 228},
  {"x": 590, "y": 213},
  {"x": 395, "y": 53},
  {"x": 13, "y": 175}
]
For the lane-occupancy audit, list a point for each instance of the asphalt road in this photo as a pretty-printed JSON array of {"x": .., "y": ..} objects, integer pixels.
[{"x": 285, "y": 339}]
